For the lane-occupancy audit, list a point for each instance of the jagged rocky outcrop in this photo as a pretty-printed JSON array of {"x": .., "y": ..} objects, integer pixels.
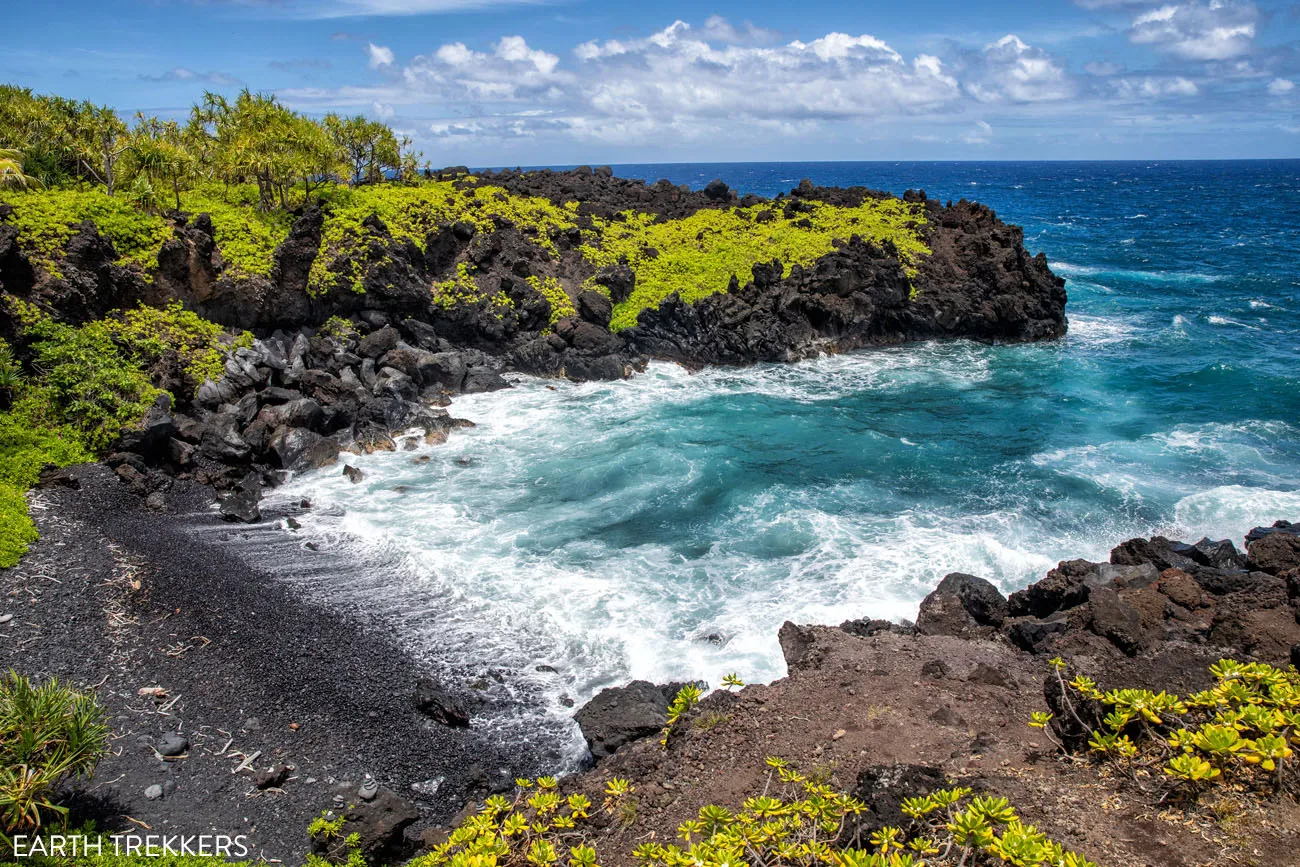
[
  {"x": 1152, "y": 592},
  {"x": 297, "y": 396}
]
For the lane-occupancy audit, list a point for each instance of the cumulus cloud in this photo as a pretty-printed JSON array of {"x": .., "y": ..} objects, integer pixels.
[
  {"x": 380, "y": 55},
  {"x": 1218, "y": 30},
  {"x": 510, "y": 73},
  {"x": 1280, "y": 86},
  {"x": 1009, "y": 70},
  {"x": 678, "y": 73}
]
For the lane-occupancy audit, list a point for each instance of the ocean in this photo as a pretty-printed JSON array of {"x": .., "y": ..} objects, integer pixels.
[{"x": 583, "y": 535}]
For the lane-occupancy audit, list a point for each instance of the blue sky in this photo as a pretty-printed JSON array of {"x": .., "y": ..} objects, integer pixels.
[{"x": 504, "y": 82}]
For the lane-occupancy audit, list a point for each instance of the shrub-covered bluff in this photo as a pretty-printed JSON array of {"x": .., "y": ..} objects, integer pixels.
[{"x": 228, "y": 342}]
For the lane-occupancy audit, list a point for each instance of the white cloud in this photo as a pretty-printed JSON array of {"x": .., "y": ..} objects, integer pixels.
[
  {"x": 380, "y": 56},
  {"x": 1280, "y": 86},
  {"x": 510, "y": 73},
  {"x": 1218, "y": 30},
  {"x": 1009, "y": 70},
  {"x": 383, "y": 111},
  {"x": 1150, "y": 87}
]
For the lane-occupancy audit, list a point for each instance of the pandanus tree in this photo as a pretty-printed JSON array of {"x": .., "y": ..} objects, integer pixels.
[{"x": 11, "y": 171}]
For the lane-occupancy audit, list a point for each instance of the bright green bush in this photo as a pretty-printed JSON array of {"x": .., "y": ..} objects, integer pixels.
[
  {"x": 148, "y": 334},
  {"x": 46, "y": 219},
  {"x": 1239, "y": 732},
  {"x": 463, "y": 290},
  {"x": 48, "y": 734},
  {"x": 697, "y": 256},
  {"x": 246, "y": 235},
  {"x": 412, "y": 211},
  {"x": 553, "y": 292}
]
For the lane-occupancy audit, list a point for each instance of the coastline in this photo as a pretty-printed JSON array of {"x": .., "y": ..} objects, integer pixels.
[{"x": 143, "y": 601}]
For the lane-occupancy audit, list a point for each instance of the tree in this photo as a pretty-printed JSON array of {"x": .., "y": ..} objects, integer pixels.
[
  {"x": 160, "y": 153},
  {"x": 100, "y": 138}
]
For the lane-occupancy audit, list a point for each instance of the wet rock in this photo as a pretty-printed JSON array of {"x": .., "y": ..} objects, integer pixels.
[
  {"x": 353, "y": 474},
  {"x": 480, "y": 379},
  {"x": 961, "y": 604},
  {"x": 1159, "y": 551},
  {"x": 241, "y": 504},
  {"x": 438, "y": 705},
  {"x": 621, "y": 715}
]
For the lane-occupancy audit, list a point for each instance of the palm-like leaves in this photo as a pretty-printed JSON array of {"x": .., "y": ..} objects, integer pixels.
[
  {"x": 11, "y": 171},
  {"x": 48, "y": 733}
]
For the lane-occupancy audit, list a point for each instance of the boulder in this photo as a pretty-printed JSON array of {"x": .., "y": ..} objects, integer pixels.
[
  {"x": 962, "y": 604},
  {"x": 798, "y": 646},
  {"x": 1274, "y": 553},
  {"x": 480, "y": 379},
  {"x": 353, "y": 474},
  {"x": 379, "y": 342},
  {"x": 300, "y": 449},
  {"x": 438, "y": 705},
  {"x": 241, "y": 504},
  {"x": 380, "y": 822},
  {"x": 595, "y": 308},
  {"x": 446, "y": 369},
  {"x": 884, "y": 788},
  {"x": 1064, "y": 587},
  {"x": 1114, "y": 619},
  {"x": 151, "y": 436},
  {"x": 1159, "y": 551},
  {"x": 620, "y": 715}
]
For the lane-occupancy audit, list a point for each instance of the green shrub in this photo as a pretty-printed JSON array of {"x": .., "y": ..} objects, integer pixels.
[
  {"x": 47, "y": 218},
  {"x": 246, "y": 235},
  {"x": 412, "y": 211},
  {"x": 1239, "y": 732},
  {"x": 149, "y": 334},
  {"x": 698, "y": 255},
  {"x": 553, "y": 292},
  {"x": 48, "y": 734},
  {"x": 537, "y": 829}
]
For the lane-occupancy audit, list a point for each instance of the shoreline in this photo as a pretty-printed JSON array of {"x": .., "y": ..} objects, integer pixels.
[{"x": 142, "y": 602}]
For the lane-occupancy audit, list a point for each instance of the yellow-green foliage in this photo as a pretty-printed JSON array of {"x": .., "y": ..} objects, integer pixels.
[
  {"x": 246, "y": 235},
  {"x": 47, "y": 218},
  {"x": 463, "y": 289},
  {"x": 552, "y": 291},
  {"x": 687, "y": 697},
  {"x": 538, "y": 828},
  {"x": 1241, "y": 730},
  {"x": 338, "y": 328},
  {"x": 146, "y": 334},
  {"x": 696, "y": 256},
  {"x": 326, "y": 831},
  {"x": 796, "y": 821},
  {"x": 412, "y": 211}
]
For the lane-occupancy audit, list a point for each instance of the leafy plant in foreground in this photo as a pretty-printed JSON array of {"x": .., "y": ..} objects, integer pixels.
[
  {"x": 48, "y": 734},
  {"x": 1241, "y": 730}
]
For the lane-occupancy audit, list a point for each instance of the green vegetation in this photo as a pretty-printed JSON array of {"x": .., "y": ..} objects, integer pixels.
[
  {"x": 411, "y": 212},
  {"x": 697, "y": 256},
  {"x": 47, "y": 220},
  {"x": 537, "y": 829},
  {"x": 1239, "y": 732},
  {"x": 48, "y": 734},
  {"x": 553, "y": 292},
  {"x": 92, "y": 382},
  {"x": 687, "y": 698},
  {"x": 246, "y": 235},
  {"x": 802, "y": 825}
]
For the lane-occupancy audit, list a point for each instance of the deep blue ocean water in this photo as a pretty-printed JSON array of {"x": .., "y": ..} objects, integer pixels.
[{"x": 665, "y": 527}]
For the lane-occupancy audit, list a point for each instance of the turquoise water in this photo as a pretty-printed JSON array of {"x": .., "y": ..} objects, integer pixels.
[{"x": 664, "y": 527}]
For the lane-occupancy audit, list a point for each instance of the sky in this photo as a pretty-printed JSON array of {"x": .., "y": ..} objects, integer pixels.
[{"x": 552, "y": 82}]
